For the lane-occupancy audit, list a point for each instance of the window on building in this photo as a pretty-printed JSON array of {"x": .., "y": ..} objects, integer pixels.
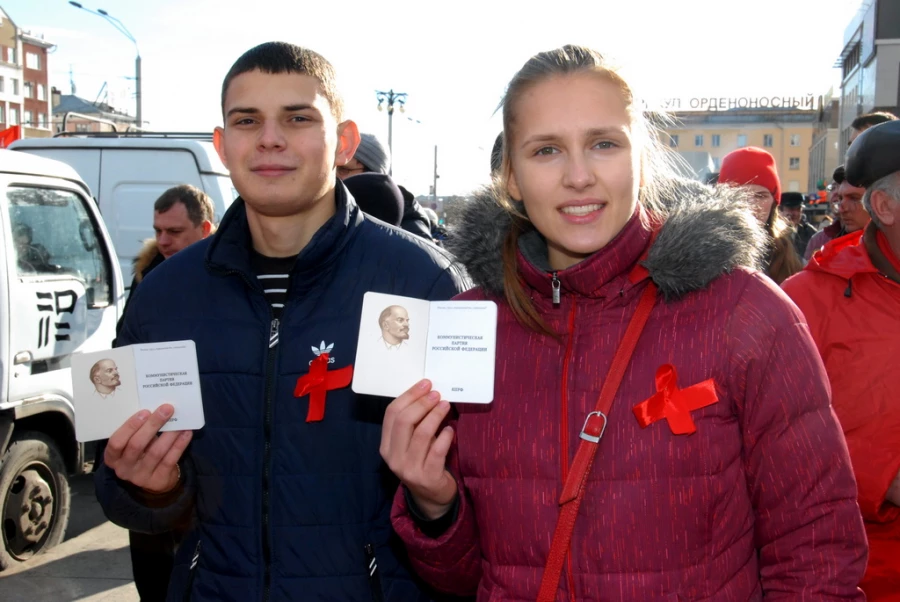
[
  {"x": 28, "y": 90},
  {"x": 13, "y": 116},
  {"x": 28, "y": 119},
  {"x": 795, "y": 139},
  {"x": 33, "y": 60},
  {"x": 10, "y": 55},
  {"x": 81, "y": 127},
  {"x": 15, "y": 87},
  {"x": 2, "y": 114},
  {"x": 768, "y": 141},
  {"x": 41, "y": 92},
  {"x": 673, "y": 140},
  {"x": 794, "y": 163},
  {"x": 717, "y": 163},
  {"x": 716, "y": 140},
  {"x": 42, "y": 120},
  {"x": 794, "y": 186},
  {"x": 742, "y": 140},
  {"x": 2, "y": 84},
  {"x": 698, "y": 140}
]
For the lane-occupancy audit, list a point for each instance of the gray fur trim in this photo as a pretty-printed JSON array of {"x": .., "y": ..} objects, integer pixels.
[{"x": 707, "y": 232}]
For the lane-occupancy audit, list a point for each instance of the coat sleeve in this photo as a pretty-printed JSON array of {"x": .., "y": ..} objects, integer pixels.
[
  {"x": 450, "y": 563},
  {"x": 808, "y": 531},
  {"x": 451, "y": 282},
  {"x": 122, "y": 503}
]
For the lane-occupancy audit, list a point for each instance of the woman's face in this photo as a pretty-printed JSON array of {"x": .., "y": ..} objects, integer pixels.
[
  {"x": 762, "y": 202},
  {"x": 573, "y": 163}
]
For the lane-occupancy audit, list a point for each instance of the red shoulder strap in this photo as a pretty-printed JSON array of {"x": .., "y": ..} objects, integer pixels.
[{"x": 594, "y": 426}]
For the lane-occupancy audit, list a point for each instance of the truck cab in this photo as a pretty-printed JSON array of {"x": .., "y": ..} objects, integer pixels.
[{"x": 61, "y": 292}]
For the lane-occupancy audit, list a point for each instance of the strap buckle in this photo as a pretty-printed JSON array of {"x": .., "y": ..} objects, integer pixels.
[{"x": 591, "y": 431}]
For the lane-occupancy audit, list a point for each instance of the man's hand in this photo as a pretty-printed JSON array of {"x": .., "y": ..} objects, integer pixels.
[
  {"x": 137, "y": 455},
  {"x": 415, "y": 452}
]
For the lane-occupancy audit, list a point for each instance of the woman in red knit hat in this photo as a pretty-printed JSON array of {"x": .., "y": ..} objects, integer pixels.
[
  {"x": 642, "y": 444},
  {"x": 755, "y": 168}
]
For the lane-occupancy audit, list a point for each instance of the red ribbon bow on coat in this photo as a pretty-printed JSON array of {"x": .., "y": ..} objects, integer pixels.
[
  {"x": 318, "y": 382},
  {"x": 674, "y": 404}
]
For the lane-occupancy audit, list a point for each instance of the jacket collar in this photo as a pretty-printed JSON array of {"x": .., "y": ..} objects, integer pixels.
[
  {"x": 704, "y": 232},
  {"x": 229, "y": 250},
  {"x": 593, "y": 276},
  {"x": 879, "y": 260}
]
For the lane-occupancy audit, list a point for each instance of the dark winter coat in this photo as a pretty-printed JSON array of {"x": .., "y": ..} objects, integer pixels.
[
  {"x": 759, "y": 501},
  {"x": 283, "y": 509}
]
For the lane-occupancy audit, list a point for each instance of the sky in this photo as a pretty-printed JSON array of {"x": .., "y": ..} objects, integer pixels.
[{"x": 453, "y": 59}]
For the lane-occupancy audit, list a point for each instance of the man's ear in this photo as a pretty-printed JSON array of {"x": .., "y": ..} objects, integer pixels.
[
  {"x": 348, "y": 142},
  {"x": 219, "y": 144},
  {"x": 207, "y": 226},
  {"x": 883, "y": 207}
]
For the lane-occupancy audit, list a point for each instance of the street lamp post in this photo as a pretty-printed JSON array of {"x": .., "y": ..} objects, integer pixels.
[
  {"x": 120, "y": 27},
  {"x": 391, "y": 98}
]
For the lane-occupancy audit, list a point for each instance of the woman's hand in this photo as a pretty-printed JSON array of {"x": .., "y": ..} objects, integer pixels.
[{"x": 416, "y": 452}]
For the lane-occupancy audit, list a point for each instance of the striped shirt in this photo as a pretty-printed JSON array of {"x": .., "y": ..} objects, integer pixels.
[{"x": 274, "y": 274}]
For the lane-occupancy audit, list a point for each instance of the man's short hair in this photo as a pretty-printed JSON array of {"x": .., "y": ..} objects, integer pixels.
[
  {"x": 869, "y": 119},
  {"x": 281, "y": 57},
  {"x": 890, "y": 185},
  {"x": 198, "y": 204}
]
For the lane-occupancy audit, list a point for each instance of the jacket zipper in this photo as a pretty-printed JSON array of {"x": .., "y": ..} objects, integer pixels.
[
  {"x": 192, "y": 573},
  {"x": 271, "y": 354},
  {"x": 554, "y": 282},
  {"x": 267, "y": 455},
  {"x": 374, "y": 574},
  {"x": 564, "y": 421}
]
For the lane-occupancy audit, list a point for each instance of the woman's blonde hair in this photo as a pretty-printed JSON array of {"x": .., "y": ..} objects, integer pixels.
[{"x": 656, "y": 161}]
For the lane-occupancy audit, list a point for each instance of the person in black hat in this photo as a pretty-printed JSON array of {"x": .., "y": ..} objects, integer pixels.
[
  {"x": 791, "y": 209},
  {"x": 850, "y": 295},
  {"x": 377, "y": 195}
]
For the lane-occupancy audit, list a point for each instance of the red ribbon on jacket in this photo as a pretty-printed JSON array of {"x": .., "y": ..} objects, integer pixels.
[
  {"x": 318, "y": 382},
  {"x": 674, "y": 404}
]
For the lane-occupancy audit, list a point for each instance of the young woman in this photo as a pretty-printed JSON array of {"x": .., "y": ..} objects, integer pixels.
[
  {"x": 755, "y": 168},
  {"x": 644, "y": 442}
]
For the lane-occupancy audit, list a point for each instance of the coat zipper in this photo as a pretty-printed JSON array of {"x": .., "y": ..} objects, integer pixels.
[
  {"x": 192, "y": 573},
  {"x": 556, "y": 286},
  {"x": 564, "y": 421},
  {"x": 267, "y": 455},
  {"x": 374, "y": 574}
]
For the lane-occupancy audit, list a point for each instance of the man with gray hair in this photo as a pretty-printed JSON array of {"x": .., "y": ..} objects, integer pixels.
[{"x": 850, "y": 295}]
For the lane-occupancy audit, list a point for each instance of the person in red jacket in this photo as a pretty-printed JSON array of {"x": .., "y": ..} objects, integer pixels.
[
  {"x": 703, "y": 472},
  {"x": 850, "y": 295}
]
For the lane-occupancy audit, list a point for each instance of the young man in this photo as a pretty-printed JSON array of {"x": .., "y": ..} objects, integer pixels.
[
  {"x": 284, "y": 488},
  {"x": 864, "y": 122},
  {"x": 791, "y": 209}
]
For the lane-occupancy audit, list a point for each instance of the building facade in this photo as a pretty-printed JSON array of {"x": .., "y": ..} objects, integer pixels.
[
  {"x": 825, "y": 154},
  {"x": 24, "y": 80},
  {"x": 870, "y": 64},
  {"x": 787, "y": 133}
]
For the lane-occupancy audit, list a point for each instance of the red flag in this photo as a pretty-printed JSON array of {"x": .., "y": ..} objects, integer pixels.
[{"x": 10, "y": 135}]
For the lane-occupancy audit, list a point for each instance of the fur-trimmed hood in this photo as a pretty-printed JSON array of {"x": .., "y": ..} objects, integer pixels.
[
  {"x": 707, "y": 232},
  {"x": 145, "y": 257}
]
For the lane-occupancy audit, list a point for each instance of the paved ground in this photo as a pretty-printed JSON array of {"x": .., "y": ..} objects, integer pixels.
[{"x": 92, "y": 564}]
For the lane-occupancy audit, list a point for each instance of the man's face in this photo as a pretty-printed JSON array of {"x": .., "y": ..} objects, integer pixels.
[
  {"x": 396, "y": 326},
  {"x": 791, "y": 214},
  {"x": 108, "y": 375},
  {"x": 175, "y": 230},
  {"x": 851, "y": 211},
  {"x": 282, "y": 143}
]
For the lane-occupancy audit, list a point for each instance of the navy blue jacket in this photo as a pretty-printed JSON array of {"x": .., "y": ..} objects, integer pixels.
[{"x": 281, "y": 509}]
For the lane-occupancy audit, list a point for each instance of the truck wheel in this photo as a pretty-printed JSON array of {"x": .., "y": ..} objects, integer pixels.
[{"x": 35, "y": 498}]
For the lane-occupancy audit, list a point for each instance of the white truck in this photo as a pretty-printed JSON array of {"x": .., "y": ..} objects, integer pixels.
[
  {"x": 128, "y": 171},
  {"x": 61, "y": 292}
]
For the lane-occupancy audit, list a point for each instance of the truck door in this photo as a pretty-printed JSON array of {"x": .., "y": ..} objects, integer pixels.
[{"x": 61, "y": 287}]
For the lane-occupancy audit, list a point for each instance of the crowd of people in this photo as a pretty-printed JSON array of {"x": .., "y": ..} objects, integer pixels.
[{"x": 694, "y": 389}]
